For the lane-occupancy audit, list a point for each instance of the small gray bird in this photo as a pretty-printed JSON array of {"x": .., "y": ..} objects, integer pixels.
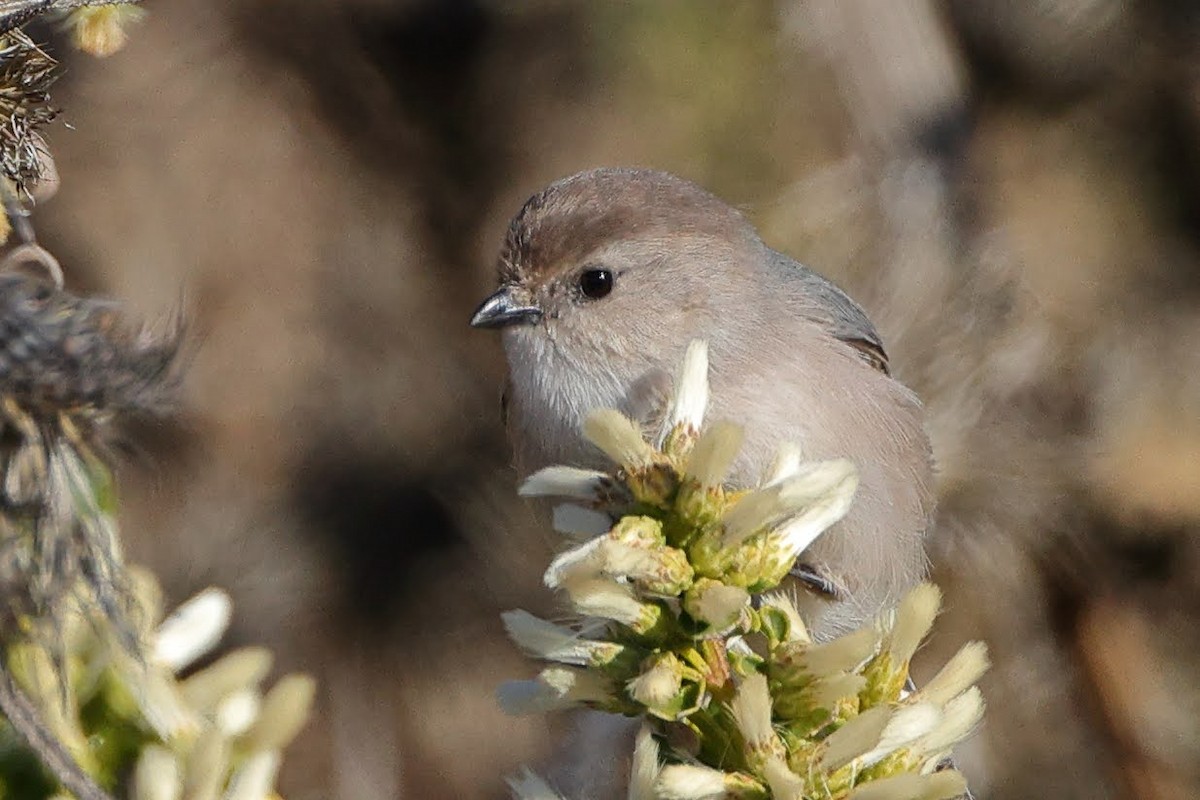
[{"x": 606, "y": 276}]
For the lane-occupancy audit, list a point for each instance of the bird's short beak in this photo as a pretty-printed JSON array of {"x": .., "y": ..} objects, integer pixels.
[{"x": 503, "y": 309}]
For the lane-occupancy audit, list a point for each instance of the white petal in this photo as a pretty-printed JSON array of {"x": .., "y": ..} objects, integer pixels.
[
  {"x": 555, "y": 688},
  {"x": 785, "y": 784},
  {"x": 237, "y": 712},
  {"x": 658, "y": 684},
  {"x": 578, "y": 521},
  {"x": 193, "y": 629},
  {"x": 857, "y": 736},
  {"x": 285, "y": 710},
  {"x": 914, "y": 619},
  {"x": 714, "y": 452},
  {"x": 644, "y": 769},
  {"x": 717, "y": 604},
  {"x": 845, "y": 653},
  {"x": 965, "y": 668},
  {"x": 545, "y": 640},
  {"x": 751, "y": 709},
  {"x": 156, "y": 776},
  {"x": 586, "y": 560},
  {"x": 569, "y": 482},
  {"x": 813, "y": 498},
  {"x": 618, "y": 437},
  {"x": 691, "y": 394},
  {"x": 906, "y": 725},
  {"x": 597, "y": 597},
  {"x": 939, "y": 786},
  {"x": 690, "y": 782},
  {"x": 785, "y": 464},
  {"x": 255, "y": 778},
  {"x": 959, "y": 718},
  {"x": 827, "y": 691}
]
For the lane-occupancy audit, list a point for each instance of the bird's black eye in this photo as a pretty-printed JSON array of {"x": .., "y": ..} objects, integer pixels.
[{"x": 596, "y": 282}]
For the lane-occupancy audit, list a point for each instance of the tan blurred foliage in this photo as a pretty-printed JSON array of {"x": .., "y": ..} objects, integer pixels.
[{"x": 1011, "y": 188}]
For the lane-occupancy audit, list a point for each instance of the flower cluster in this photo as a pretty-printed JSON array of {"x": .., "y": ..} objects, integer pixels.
[
  {"x": 671, "y": 625},
  {"x": 214, "y": 734}
]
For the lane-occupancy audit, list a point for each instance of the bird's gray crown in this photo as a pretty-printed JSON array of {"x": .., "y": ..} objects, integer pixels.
[{"x": 575, "y": 216}]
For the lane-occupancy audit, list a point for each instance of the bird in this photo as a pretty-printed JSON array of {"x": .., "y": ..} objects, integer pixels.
[{"x": 607, "y": 275}]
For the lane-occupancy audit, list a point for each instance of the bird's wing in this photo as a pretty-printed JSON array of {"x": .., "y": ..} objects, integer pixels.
[{"x": 834, "y": 309}]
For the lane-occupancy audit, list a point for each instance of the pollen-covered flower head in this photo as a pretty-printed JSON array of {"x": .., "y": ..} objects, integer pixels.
[{"x": 671, "y": 623}]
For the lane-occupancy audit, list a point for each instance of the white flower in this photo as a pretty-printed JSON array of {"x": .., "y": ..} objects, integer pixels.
[
  {"x": 715, "y": 603},
  {"x": 598, "y": 597},
  {"x": 906, "y": 725},
  {"x": 751, "y": 709},
  {"x": 713, "y": 453},
  {"x": 691, "y": 395},
  {"x": 644, "y": 770},
  {"x": 842, "y": 654},
  {"x": 801, "y": 506},
  {"x": 236, "y": 670},
  {"x": 785, "y": 784},
  {"x": 567, "y": 482},
  {"x": 785, "y": 464},
  {"x": 938, "y": 786},
  {"x": 959, "y": 718},
  {"x": 156, "y": 775},
  {"x": 618, "y": 437},
  {"x": 656, "y": 686},
  {"x": 555, "y": 688},
  {"x": 550, "y": 642},
  {"x": 237, "y": 712},
  {"x": 285, "y": 710},
  {"x": 193, "y": 629},
  {"x": 690, "y": 782},
  {"x": 255, "y": 778},
  {"x": 913, "y": 621},
  {"x": 960, "y": 672}
]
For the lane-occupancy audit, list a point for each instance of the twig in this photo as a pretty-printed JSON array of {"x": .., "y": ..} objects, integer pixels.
[{"x": 27, "y": 722}]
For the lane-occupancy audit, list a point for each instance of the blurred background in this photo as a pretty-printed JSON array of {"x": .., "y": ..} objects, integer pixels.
[{"x": 1011, "y": 187}]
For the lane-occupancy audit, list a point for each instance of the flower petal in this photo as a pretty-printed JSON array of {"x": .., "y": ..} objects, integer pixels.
[
  {"x": 618, "y": 437},
  {"x": 193, "y": 629},
  {"x": 714, "y": 452},
  {"x": 813, "y": 498},
  {"x": 691, "y": 396},
  {"x": 568, "y": 482}
]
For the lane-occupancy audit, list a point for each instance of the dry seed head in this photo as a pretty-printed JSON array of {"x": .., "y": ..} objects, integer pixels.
[{"x": 101, "y": 30}]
